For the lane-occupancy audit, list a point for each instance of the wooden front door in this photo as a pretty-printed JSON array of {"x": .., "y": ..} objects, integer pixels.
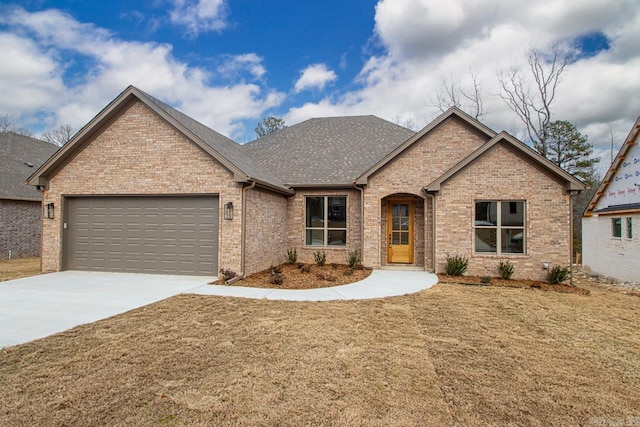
[{"x": 400, "y": 231}]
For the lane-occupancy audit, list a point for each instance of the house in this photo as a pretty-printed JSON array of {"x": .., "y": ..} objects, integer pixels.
[
  {"x": 611, "y": 246},
  {"x": 145, "y": 188},
  {"x": 20, "y": 204}
]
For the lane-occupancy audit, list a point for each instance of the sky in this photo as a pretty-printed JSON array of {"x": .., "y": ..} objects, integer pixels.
[{"x": 229, "y": 63}]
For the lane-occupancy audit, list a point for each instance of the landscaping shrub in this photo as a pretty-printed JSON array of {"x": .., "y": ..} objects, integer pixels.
[
  {"x": 505, "y": 268},
  {"x": 291, "y": 255},
  {"x": 306, "y": 269},
  {"x": 320, "y": 258},
  {"x": 354, "y": 258},
  {"x": 276, "y": 269},
  {"x": 456, "y": 265},
  {"x": 558, "y": 274},
  {"x": 329, "y": 277},
  {"x": 277, "y": 279},
  {"x": 227, "y": 274},
  {"x": 485, "y": 280},
  {"x": 348, "y": 272}
]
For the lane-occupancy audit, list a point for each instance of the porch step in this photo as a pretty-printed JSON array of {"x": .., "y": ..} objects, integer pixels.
[{"x": 401, "y": 267}]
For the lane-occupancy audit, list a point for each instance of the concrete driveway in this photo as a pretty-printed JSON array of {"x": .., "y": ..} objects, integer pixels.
[{"x": 38, "y": 306}]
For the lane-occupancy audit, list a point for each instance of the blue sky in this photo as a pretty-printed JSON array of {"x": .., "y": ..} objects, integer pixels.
[{"x": 229, "y": 63}]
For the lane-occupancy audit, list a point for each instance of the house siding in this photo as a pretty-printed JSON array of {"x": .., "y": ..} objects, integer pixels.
[
  {"x": 501, "y": 174},
  {"x": 408, "y": 173},
  {"x": 266, "y": 230},
  {"x": 609, "y": 256},
  {"x": 20, "y": 228},
  {"x": 296, "y": 226},
  {"x": 140, "y": 154}
]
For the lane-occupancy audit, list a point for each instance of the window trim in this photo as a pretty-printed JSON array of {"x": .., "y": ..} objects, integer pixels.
[
  {"x": 499, "y": 227},
  {"x": 629, "y": 227},
  {"x": 325, "y": 227}
]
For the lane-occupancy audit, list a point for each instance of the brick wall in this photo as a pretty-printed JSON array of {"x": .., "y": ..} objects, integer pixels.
[
  {"x": 266, "y": 240},
  {"x": 501, "y": 174},
  {"x": 296, "y": 226},
  {"x": 139, "y": 153},
  {"x": 409, "y": 172},
  {"x": 20, "y": 228}
]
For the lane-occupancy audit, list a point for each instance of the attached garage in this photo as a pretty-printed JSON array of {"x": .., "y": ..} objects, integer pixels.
[{"x": 142, "y": 234}]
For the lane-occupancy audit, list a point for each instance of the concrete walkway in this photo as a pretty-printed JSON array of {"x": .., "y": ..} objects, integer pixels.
[
  {"x": 39, "y": 306},
  {"x": 380, "y": 284}
]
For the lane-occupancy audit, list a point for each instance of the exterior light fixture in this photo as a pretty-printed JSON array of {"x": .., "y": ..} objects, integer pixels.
[
  {"x": 228, "y": 211},
  {"x": 49, "y": 211}
]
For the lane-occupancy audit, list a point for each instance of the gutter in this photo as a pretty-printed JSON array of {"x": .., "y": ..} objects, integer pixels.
[{"x": 243, "y": 233}]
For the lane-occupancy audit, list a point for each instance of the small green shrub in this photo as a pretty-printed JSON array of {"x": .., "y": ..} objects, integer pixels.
[
  {"x": 558, "y": 274},
  {"x": 505, "y": 268},
  {"x": 291, "y": 255},
  {"x": 354, "y": 258},
  {"x": 227, "y": 274},
  {"x": 305, "y": 268},
  {"x": 320, "y": 258},
  {"x": 456, "y": 265},
  {"x": 277, "y": 279},
  {"x": 348, "y": 272}
]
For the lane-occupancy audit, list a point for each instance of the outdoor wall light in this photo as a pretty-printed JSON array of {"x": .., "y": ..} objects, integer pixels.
[
  {"x": 228, "y": 211},
  {"x": 48, "y": 211}
]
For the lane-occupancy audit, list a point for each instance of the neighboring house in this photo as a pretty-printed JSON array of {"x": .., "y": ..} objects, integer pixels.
[
  {"x": 20, "y": 204},
  {"x": 145, "y": 188},
  {"x": 611, "y": 222}
]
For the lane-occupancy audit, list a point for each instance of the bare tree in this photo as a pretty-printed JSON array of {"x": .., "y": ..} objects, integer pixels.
[
  {"x": 452, "y": 94},
  {"x": 8, "y": 124},
  {"x": 408, "y": 123},
  {"x": 60, "y": 135},
  {"x": 532, "y": 101}
]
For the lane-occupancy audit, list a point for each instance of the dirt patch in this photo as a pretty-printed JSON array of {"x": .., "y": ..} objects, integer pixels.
[
  {"x": 451, "y": 355},
  {"x": 307, "y": 276},
  {"x": 521, "y": 283},
  {"x": 19, "y": 267}
]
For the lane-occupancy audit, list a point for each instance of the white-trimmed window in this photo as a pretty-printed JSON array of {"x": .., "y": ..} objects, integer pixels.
[
  {"x": 616, "y": 228},
  {"x": 325, "y": 221},
  {"x": 499, "y": 227}
]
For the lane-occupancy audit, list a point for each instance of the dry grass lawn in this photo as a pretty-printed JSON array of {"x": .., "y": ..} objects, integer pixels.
[
  {"x": 19, "y": 267},
  {"x": 451, "y": 355}
]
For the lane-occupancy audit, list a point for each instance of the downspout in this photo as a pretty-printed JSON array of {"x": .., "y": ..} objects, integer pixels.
[
  {"x": 571, "y": 194},
  {"x": 361, "y": 220},
  {"x": 433, "y": 228},
  {"x": 243, "y": 234}
]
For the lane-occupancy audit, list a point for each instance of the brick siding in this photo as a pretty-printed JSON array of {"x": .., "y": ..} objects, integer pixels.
[
  {"x": 266, "y": 228},
  {"x": 140, "y": 154},
  {"x": 408, "y": 173},
  {"x": 20, "y": 228}
]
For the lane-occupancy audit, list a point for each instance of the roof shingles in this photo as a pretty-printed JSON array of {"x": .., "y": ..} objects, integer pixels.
[
  {"x": 327, "y": 151},
  {"x": 17, "y": 152}
]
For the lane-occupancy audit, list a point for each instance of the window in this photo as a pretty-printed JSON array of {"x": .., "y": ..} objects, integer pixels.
[
  {"x": 616, "y": 227},
  {"x": 499, "y": 227},
  {"x": 629, "y": 228},
  {"x": 326, "y": 221}
]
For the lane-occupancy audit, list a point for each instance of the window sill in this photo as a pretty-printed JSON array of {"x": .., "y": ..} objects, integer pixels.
[
  {"x": 495, "y": 255},
  {"x": 333, "y": 247}
]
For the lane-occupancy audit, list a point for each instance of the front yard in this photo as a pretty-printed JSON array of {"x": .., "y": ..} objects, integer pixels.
[
  {"x": 453, "y": 354},
  {"x": 19, "y": 267}
]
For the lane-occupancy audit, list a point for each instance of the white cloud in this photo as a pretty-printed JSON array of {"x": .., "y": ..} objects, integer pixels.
[
  {"x": 235, "y": 64},
  {"x": 427, "y": 40},
  {"x": 315, "y": 76},
  {"x": 199, "y": 15},
  {"x": 40, "y": 48}
]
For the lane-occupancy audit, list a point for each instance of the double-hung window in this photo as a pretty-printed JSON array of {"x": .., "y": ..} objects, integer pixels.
[
  {"x": 499, "y": 227},
  {"x": 326, "y": 220},
  {"x": 616, "y": 228},
  {"x": 629, "y": 228}
]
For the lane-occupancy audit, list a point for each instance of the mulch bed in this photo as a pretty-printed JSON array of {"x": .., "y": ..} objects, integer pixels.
[
  {"x": 520, "y": 283},
  {"x": 298, "y": 278}
]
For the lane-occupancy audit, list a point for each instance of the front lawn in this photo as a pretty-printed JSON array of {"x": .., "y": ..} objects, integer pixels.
[
  {"x": 19, "y": 267},
  {"x": 453, "y": 354}
]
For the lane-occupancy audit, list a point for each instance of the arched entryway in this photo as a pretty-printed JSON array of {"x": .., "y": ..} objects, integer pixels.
[{"x": 403, "y": 230}]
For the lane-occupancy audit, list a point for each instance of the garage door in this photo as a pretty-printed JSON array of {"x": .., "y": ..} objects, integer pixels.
[{"x": 164, "y": 235}]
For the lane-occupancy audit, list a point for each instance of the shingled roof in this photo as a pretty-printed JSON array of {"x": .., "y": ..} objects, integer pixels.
[
  {"x": 19, "y": 156},
  {"x": 327, "y": 151}
]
